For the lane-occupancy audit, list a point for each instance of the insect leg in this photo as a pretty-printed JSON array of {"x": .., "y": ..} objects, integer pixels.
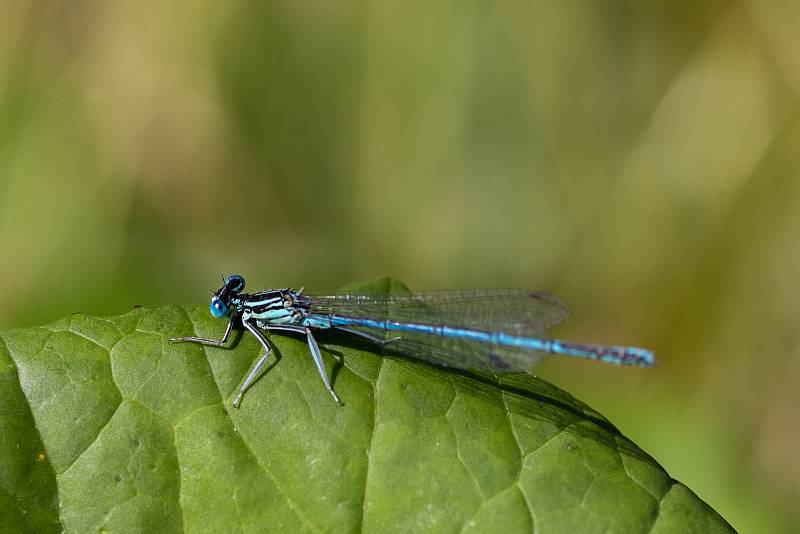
[
  {"x": 251, "y": 376},
  {"x": 317, "y": 355},
  {"x": 206, "y": 341},
  {"x": 374, "y": 339}
]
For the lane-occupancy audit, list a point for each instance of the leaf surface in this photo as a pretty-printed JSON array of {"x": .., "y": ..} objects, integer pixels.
[{"x": 107, "y": 426}]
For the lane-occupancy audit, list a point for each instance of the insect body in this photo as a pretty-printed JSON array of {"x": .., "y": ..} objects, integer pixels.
[{"x": 491, "y": 330}]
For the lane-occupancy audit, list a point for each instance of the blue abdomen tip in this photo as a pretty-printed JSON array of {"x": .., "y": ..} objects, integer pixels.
[{"x": 642, "y": 357}]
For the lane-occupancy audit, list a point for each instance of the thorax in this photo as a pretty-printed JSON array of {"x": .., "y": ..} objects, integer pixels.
[{"x": 273, "y": 306}]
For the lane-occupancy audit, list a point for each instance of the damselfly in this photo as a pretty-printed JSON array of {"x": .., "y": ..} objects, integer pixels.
[{"x": 494, "y": 330}]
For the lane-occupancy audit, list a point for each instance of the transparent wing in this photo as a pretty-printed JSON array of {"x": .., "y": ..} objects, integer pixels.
[
  {"x": 518, "y": 312},
  {"x": 464, "y": 354}
]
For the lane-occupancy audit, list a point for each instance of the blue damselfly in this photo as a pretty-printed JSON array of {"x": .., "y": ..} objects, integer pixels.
[{"x": 491, "y": 330}]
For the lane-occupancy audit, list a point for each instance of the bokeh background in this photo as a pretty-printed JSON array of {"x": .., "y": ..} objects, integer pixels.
[{"x": 638, "y": 159}]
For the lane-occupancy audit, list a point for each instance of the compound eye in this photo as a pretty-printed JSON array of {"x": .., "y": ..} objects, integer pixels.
[{"x": 218, "y": 308}]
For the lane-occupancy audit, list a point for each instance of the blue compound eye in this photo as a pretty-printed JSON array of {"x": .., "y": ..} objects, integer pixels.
[{"x": 218, "y": 308}]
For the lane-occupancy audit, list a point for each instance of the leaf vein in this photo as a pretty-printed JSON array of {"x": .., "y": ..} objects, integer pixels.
[
  {"x": 459, "y": 456},
  {"x": 4, "y": 347},
  {"x": 368, "y": 449},
  {"x": 119, "y": 400}
]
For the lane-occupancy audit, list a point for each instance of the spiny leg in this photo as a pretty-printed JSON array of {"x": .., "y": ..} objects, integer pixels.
[
  {"x": 317, "y": 355},
  {"x": 374, "y": 339},
  {"x": 251, "y": 376},
  {"x": 206, "y": 341},
  {"x": 284, "y": 327}
]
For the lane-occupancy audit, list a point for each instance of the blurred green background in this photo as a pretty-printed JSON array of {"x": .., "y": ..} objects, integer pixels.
[{"x": 638, "y": 159}]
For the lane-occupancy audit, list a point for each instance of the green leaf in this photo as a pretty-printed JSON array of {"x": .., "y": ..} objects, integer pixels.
[{"x": 107, "y": 426}]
